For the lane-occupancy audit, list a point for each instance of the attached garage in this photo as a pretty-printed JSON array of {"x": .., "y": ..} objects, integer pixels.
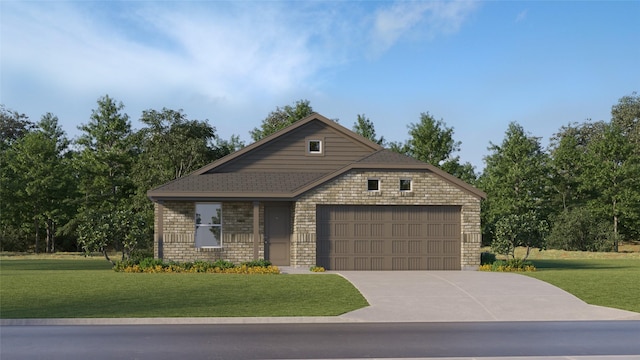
[{"x": 388, "y": 237}]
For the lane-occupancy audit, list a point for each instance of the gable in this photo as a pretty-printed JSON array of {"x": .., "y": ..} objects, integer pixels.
[
  {"x": 288, "y": 152},
  {"x": 280, "y": 166}
]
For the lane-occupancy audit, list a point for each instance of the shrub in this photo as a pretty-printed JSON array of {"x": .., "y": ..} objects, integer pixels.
[
  {"x": 315, "y": 268},
  {"x": 150, "y": 265},
  {"x": 580, "y": 230},
  {"x": 511, "y": 265},
  {"x": 258, "y": 263},
  {"x": 487, "y": 258}
]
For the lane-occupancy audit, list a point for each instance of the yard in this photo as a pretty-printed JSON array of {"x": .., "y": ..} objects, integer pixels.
[
  {"x": 65, "y": 286},
  {"x": 71, "y": 286},
  {"x": 606, "y": 279}
]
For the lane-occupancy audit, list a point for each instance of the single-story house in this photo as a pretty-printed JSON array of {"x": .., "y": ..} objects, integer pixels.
[{"x": 316, "y": 193}]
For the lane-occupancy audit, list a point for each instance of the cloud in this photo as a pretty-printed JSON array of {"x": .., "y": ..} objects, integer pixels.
[
  {"x": 522, "y": 15},
  {"x": 212, "y": 50},
  {"x": 428, "y": 18}
]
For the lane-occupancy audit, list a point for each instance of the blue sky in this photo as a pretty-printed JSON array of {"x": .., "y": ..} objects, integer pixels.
[{"x": 476, "y": 65}]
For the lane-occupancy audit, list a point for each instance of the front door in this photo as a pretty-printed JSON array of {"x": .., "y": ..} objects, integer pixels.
[{"x": 277, "y": 233}]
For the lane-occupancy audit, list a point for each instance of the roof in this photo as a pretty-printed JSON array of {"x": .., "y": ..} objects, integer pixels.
[{"x": 213, "y": 181}]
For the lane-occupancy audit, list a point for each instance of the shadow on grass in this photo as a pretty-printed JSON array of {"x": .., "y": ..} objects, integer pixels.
[
  {"x": 568, "y": 264},
  {"x": 54, "y": 264}
]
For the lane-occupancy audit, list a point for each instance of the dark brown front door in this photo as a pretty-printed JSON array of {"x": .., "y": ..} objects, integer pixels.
[{"x": 277, "y": 233}]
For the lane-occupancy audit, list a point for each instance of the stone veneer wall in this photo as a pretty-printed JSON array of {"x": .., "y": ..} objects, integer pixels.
[
  {"x": 351, "y": 189},
  {"x": 178, "y": 242}
]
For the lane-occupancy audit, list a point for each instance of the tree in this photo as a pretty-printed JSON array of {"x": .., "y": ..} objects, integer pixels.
[
  {"x": 281, "y": 118},
  {"x": 515, "y": 180},
  {"x": 626, "y": 115},
  {"x": 567, "y": 151},
  {"x": 13, "y": 232},
  {"x": 613, "y": 177},
  {"x": 104, "y": 164},
  {"x": 41, "y": 179},
  {"x": 13, "y": 126},
  {"x": 432, "y": 141},
  {"x": 39, "y": 160},
  {"x": 364, "y": 127}
]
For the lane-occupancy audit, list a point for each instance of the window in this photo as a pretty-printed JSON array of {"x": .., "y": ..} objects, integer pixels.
[
  {"x": 314, "y": 146},
  {"x": 208, "y": 225},
  {"x": 405, "y": 184},
  {"x": 373, "y": 184}
]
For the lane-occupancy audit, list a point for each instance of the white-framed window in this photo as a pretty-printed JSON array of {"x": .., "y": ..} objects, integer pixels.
[
  {"x": 208, "y": 225},
  {"x": 373, "y": 184},
  {"x": 405, "y": 185},
  {"x": 314, "y": 146}
]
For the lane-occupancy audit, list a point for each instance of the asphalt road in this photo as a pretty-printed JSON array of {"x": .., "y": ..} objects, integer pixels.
[{"x": 321, "y": 341}]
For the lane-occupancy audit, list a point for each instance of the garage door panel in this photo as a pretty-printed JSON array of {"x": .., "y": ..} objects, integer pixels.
[
  {"x": 388, "y": 237},
  {"x": 377, "y": 246}
]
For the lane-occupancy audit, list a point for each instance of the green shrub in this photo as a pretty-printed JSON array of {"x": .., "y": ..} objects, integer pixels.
[
  {"x": 223, "y": 264},
  {"x": 487, "y": 258},
  {"x": 581, "y": 230},
  {"x": 316, "y": 268},
  {"x": 257, "y": 263},
  {"x": 511, "y": 265},
  {"x": 150, "y": 262}
]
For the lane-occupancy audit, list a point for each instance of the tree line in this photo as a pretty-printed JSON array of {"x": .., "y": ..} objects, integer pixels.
[{"x": 582, "y": 192}]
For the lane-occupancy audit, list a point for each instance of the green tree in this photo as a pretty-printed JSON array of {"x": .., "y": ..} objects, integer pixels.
[
  {"x": 515, "y": 180},
  {"x": 13, "y": 126},
  {"x": 612, "y": 176},
  {"x": 364, "y": 127},
  {"x": 432, "y": 141},
  {"x": 626, "y": 115},
  {"x": 39, "y": 160},
  {"x": 567, "y": 151},
  {"x": 14, "y": 230},
  {"x": 281, "y": 118},
  {"x": 104, "y": 164}
]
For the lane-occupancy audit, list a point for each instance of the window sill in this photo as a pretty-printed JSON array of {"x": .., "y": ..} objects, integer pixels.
[
  {"x": 210, "y": 248},
  {"x": 374, "y": 193}
]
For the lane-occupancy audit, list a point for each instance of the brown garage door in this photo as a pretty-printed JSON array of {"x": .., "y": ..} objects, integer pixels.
[{"x": 388, "y": 237}]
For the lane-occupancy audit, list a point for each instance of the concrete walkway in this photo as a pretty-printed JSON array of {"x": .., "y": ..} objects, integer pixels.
[{"x": 435, "y": 296}]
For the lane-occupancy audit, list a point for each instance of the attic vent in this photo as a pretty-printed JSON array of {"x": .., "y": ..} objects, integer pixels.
[{"x": 315, "y": 147}]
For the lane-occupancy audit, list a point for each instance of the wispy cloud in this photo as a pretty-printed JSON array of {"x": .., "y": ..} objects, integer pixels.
[
  {"x": 522, "y": 15},
  {"x": 215, "y": 52},
  {"x": 425, "y": 18}
]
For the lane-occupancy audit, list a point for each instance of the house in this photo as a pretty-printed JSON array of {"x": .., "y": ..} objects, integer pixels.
[{"x": 317, "y": 193}]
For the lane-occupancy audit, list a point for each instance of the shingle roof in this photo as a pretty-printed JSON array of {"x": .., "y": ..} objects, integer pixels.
[
  {"x": 241, "y": 182},
  {"x": 386, "y": 156}
]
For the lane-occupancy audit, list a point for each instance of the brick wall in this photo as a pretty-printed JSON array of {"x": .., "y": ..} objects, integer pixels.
[
  {"x": 178, "y": 233},
  {"x": 351, "y": 189}
]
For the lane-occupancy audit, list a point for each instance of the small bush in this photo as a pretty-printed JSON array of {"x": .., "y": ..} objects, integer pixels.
[
  {"x": 259, "y": 263},
  {"x": 511, "y": 265},
  {"x": 487, "y": 258},
  {"x": 315, "y": 268}
]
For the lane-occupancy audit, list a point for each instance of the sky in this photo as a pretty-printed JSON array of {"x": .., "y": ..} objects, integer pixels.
[{"x": 475, "y": 65}]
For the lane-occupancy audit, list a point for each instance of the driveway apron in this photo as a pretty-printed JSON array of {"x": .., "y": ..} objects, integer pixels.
[{"x": 418, "y": 296}]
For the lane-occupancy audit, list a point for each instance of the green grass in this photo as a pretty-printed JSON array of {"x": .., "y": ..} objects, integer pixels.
[
  {"x": 88, "y": 288},
  {"x": 606, "y": 282}
]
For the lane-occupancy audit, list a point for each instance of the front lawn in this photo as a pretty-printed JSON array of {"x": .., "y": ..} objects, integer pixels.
[
  {"x": 88, "y": 288},
  {"x": 606, "y": 282}
]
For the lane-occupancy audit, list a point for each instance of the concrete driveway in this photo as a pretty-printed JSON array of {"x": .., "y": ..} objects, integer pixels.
[{"x": 468, "y": 296}]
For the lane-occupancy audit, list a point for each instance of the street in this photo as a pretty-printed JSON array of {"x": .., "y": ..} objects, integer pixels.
[{"x": 321, "y": 341}]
